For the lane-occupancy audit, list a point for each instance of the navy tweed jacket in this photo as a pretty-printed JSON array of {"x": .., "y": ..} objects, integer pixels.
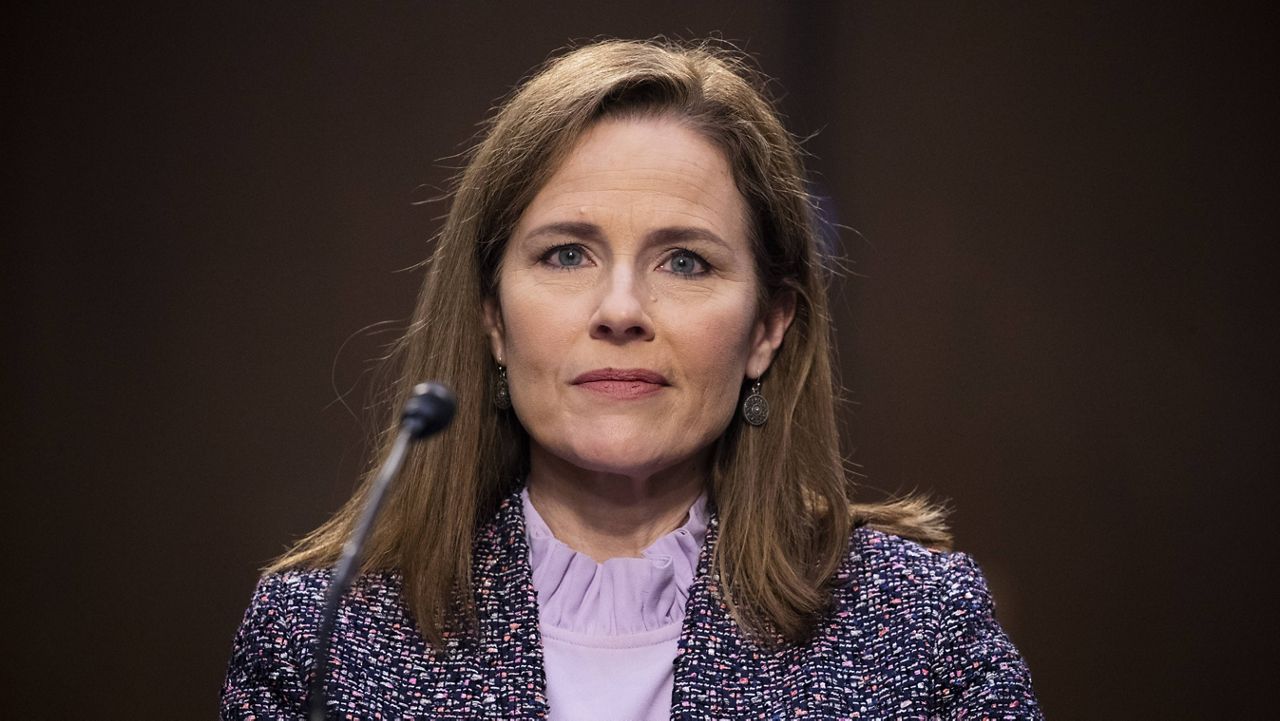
[{"x": 910, "y": 635}]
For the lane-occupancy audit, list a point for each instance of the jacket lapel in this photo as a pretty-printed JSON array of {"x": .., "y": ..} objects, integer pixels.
[
  {"x": 509, "y": 645},
  {"x": 719, "y": 673}
]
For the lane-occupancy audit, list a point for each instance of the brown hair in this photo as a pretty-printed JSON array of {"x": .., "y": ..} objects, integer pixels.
[{"x": 781, "y": 490}]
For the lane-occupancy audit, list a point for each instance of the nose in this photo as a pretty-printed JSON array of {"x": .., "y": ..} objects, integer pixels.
[{"x": 621, "y": 315}]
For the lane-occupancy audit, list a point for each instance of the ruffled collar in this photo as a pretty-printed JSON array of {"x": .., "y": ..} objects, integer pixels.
[{"x": 622, "y": 595}]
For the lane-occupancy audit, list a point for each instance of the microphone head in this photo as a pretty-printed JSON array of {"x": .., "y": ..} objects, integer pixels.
[{"x": 428, "y": 410}]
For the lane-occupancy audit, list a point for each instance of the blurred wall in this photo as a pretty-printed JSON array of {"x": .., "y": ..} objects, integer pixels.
[{"x": 1058, "y": 228}]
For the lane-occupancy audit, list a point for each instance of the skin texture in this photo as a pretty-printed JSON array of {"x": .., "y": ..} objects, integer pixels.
[{"x": 634, "y": 255}]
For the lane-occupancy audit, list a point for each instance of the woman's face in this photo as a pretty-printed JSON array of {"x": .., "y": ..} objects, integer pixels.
[{"x": 627, "y": 311}]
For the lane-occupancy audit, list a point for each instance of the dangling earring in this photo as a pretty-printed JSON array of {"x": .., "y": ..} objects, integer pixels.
[
  {"x": 501, "y": 393},
  {"x": 755, "y": 408}
]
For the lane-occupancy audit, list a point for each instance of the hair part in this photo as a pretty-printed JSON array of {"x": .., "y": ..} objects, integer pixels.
[{"x": 783, "y": 497}]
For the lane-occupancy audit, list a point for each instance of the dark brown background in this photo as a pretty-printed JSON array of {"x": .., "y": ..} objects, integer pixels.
[{"x": 1059, "y": 315}]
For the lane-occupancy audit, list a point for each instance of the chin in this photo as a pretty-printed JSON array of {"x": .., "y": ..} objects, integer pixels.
[
  {"x": 626, "y": 457},
  {"x": 633, "y": 446},
  {"x": 602, "y": 449}
]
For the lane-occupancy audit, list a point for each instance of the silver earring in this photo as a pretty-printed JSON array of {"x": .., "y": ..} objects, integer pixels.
[
  {"x": 501, "y": 393},
  {"x": 755, "y": 408}
]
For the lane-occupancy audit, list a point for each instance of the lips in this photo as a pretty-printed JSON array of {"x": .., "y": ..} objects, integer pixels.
[
  {"x": 638, "y": 375},
  {"x": 622, "y": 383}
]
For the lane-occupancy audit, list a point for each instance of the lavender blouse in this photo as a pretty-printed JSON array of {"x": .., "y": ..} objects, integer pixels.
[{"x": 609, "y": 630}]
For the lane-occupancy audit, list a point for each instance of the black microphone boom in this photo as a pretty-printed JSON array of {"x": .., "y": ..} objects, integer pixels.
[{"x": 426, "y": 413}]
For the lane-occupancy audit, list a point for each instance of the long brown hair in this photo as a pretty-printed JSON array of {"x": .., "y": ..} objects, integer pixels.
[{"x": 782, "y": 492}]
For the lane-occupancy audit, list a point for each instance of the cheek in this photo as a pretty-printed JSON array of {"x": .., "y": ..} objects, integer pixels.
[
  {"x": 536, "y": 331},
  {"x": 715, "y": 345}
]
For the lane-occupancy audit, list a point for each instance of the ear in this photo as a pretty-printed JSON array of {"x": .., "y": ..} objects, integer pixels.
[
  {"x": 769, "y": 331},
  {"x": 495, "y": 330}
]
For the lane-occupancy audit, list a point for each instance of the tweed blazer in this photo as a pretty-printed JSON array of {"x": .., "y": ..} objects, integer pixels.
[{"x": 910, "y": 635}]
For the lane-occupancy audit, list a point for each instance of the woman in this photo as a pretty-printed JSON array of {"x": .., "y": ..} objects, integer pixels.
[{"x": 640, "y": 510}]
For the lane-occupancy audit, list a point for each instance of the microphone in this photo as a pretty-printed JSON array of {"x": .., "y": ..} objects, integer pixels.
[{"x": 427, "y": 412}]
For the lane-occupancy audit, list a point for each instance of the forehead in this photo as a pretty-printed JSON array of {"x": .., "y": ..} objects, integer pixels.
[
  {"x": 654, "y": 164},
  {"x": 660, "y": 143}
]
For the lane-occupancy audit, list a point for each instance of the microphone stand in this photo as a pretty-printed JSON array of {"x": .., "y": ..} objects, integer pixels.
[{"x": 427, "y": 412}]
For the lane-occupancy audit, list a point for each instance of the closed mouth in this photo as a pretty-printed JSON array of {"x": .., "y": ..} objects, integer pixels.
[{"x": 623, "y": 375}]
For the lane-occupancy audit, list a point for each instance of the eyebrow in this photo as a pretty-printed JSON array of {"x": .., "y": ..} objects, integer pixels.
[
  {"x": 686, "y": 234},
  {"x": 591, "y": 231},
  {"x": 581, "y": 231}
]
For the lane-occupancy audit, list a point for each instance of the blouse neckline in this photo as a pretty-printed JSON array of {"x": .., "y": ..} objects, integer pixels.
[{"x": 621, "y": 596}]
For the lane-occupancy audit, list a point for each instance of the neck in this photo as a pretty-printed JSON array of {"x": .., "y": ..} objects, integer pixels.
[{"x": 608, "y": 515}]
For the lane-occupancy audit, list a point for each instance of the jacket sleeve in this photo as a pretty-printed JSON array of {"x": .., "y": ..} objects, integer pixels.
[
  {"x": 980, "y": 673},
  {"x": 266, "y": 675}
]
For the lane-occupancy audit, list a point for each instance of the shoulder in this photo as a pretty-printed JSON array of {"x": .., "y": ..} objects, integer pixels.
[
  {"x": 299, "y": 594},
  {"x": 273, "y": 647},
  {"x": 294, "y": 590},
  {"x": 934, "y": 606},
  {"x": 285, "y": 608},
  {"x": 893, "y": 562},
  {"x": 283, "y": 611},
  {"x": 271, "y": 652},
  {"x": 887, "y": 575}
]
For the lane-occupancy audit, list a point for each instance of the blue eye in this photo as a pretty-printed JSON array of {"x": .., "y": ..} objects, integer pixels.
[
  {"x": 685, "y": 262},
  {"x": 565, "y": 256}
]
